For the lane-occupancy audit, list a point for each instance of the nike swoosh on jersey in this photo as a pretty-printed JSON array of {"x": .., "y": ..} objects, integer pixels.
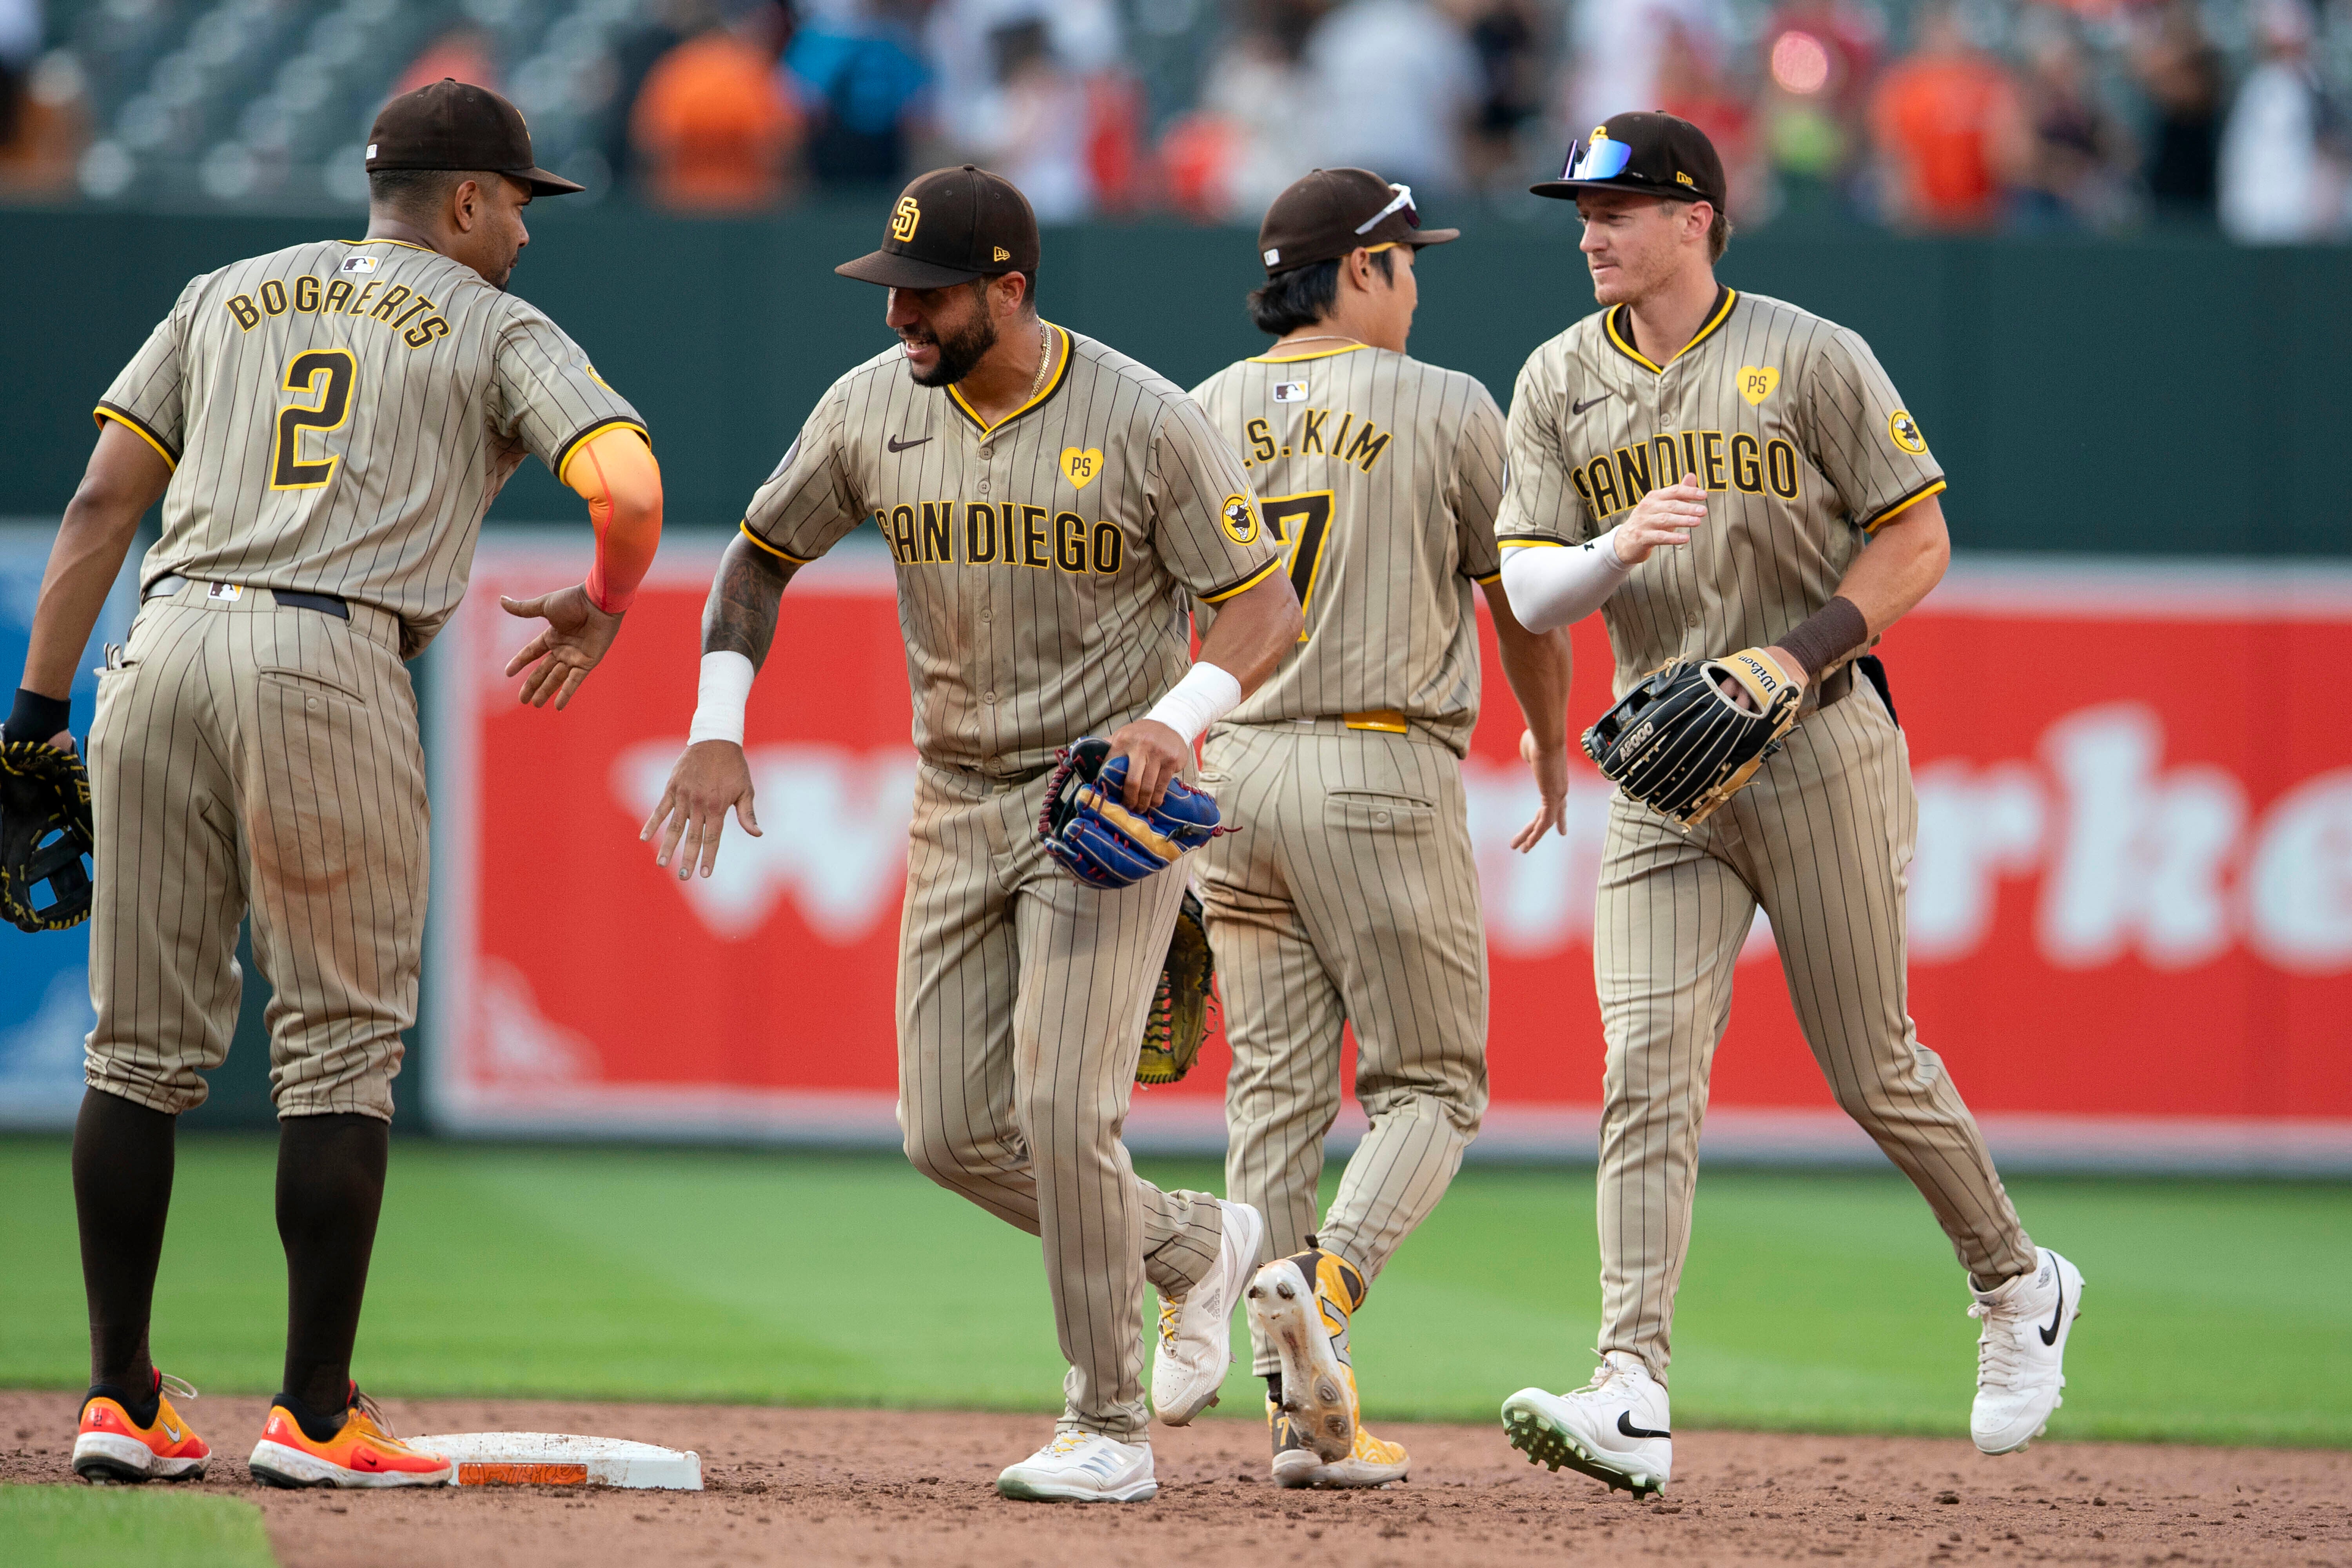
[
  {"x": 897, "y": 445},
  {"x": 1589, "y": 402}
]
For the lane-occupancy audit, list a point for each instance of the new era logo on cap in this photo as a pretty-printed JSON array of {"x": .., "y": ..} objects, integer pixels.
[{"x": 1274, "y": 258}]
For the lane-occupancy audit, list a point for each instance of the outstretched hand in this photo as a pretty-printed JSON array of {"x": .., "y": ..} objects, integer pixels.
[
  {"x": 1549, "y": 766},
  {"x": 572, "y": 642},
  {"x": 710, "y": 776}
]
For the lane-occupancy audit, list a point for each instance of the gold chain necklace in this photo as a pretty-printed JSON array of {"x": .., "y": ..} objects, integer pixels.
[{"x": 1045, "y": 358}]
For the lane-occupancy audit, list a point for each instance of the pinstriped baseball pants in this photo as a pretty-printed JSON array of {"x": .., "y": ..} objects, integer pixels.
[
  {"x": 247, "y": 756},
  {"x": 1822, "y": 841},
  {"x": 1348, "y": 895},
  {"x": 1021, "y": 1000}
]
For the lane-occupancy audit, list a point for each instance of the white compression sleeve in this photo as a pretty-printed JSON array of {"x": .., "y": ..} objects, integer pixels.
[
  {"x": 1551, "y": 588},
  {"x": 719, "y": 706},
  {"x": 1205, "y": 695}
]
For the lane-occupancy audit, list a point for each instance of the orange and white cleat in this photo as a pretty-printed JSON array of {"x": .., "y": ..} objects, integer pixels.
[
  {"x": 362, "y": 1453},
  {"x": 111, "y": 1447}
]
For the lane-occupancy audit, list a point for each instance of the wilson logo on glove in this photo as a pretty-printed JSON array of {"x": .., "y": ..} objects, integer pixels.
[
  {"x": 1682, "y": 745},
  {"x": 1087, "y": 826}
]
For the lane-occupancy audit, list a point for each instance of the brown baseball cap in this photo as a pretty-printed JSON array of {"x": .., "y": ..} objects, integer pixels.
[
  {"x": 1649, "y": 153},
  {"x": 1331, "y": 212},
  {"x": 952, "y": 226},
  {"x": 453, "y": 124}
]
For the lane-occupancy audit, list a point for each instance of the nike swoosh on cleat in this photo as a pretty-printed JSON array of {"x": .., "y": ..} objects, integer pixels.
[
  {"x": 1574, "y": 409},
  {"x": 1625, "y": 1424},
  {"x": 897, "y": 445},
  {"x": 2050, "y": 1334}
]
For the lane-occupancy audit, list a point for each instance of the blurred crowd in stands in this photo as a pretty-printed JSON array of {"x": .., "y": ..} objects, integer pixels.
[{"x": 1948, "y": 115}]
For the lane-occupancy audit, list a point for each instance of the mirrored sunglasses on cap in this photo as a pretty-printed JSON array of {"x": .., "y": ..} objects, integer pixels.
[
  {"x": 1603, "y": 158},
  {"x": 1401, "y": 201}
]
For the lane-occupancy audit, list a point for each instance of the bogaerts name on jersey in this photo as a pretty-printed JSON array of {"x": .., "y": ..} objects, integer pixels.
[{"x": 400, "y": 308}]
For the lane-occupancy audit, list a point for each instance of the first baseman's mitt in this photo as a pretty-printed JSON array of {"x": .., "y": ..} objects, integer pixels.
[
  {"x": 1681, "y": 745},
  {"x": 45, "y": 831},
  {"x": 1088, "y": 829},
  {"x": 1179, "y": 1019}
]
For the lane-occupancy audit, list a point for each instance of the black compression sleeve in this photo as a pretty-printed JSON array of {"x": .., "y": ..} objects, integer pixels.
[{"x": 35, "y": 717}]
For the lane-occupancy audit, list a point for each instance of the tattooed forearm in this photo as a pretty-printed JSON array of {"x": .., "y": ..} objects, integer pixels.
[{"x": 741, "y": 616}]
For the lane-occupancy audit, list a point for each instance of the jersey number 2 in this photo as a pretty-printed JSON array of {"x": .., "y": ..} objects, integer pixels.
[
  {"x": 332, "y": 407},
  {"x": 1303, "y": 523}
]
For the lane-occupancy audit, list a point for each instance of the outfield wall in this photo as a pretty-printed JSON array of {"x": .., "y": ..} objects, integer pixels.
[{"x": 2131, "y": 911}]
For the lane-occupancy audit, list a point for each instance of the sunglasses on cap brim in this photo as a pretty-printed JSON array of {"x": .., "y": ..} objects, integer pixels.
[
  {"x": 1400, "y": 202},
  {"x": 1603, "y": 158}
]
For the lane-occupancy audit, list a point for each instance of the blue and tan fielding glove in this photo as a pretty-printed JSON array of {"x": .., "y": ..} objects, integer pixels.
[{"x": 1087, "y": 828}]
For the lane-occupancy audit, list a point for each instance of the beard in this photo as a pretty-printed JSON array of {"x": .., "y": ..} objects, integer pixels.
[{"x": 959, "y": 353}]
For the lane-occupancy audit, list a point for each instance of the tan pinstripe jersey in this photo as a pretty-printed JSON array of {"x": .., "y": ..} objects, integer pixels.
[
  {"x": 340, "y": 414},
  {"x": 1787, "y": 419},
  {"x": 1381, "y": 476},
  {"x": 1045, "y": 563}
]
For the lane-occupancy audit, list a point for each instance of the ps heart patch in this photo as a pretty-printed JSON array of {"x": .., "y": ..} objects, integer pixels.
[
  {"x": 1081, "y": 468},
  {"x": 1756, "y": 382}
]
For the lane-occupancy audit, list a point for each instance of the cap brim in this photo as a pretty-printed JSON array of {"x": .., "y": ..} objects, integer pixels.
[
  {"x": 1565, "y": 190},
  {"x": 1421, "y": 236},
  {"x": 543, "y": 184},
  {"x": 892, "y": 270}
]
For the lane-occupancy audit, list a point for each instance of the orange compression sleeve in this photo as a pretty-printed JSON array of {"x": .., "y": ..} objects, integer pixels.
[{"x": 616, "y": 473}]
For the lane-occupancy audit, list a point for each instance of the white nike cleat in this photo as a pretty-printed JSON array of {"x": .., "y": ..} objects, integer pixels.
[
  {"x": 1614, "y": 1428},
  {"x": 1196, "y": 1330},
  {"x": 1082, "y": 1466},
  {"x": 2022, "y": 1353}
]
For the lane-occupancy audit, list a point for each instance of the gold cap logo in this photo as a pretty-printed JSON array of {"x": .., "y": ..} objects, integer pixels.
[
  {"x": 1003, "y": 254},
  {"x": 903, "y": 219}
]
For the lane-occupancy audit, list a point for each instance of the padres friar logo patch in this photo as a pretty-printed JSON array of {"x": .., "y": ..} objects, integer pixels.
[
  {"x": 1904, "y": 432},
  {"x": 1756, "y": 382},
  {"x": 1240, "y": 518},
  {"x": 903, "y": 219},
  {"x": 1081, "y": 468}
]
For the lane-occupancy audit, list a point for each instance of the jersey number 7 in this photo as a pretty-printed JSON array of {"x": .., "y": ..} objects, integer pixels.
[
  {"x": 1303, "y": 522},
  {"x": 327, "y": 376}
]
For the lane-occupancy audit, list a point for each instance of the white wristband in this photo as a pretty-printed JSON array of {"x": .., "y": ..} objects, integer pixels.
[
  {"x": 719, "y": 706},
  {"x": 1205, "y": 695}
]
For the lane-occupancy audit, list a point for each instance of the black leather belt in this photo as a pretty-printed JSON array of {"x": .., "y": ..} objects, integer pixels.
[{"x": 324, "y": 603}]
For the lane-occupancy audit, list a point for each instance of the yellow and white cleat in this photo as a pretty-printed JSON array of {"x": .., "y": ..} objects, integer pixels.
[
  {"x": 1374, "y": 1462},
  {"x": 1301, "y": 1306}
]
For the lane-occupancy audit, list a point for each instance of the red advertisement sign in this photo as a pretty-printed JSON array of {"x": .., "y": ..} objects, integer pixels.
[{"x": 2130, "y": 912}]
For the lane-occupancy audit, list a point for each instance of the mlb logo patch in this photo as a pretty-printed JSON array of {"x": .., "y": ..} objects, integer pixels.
[
  {"x": 229, "y": 591},
  {"x": 1290, "y": 392},
  {"x": 357, "y": 264}
]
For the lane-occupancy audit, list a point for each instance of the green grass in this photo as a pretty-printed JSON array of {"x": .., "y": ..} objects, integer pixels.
[
  {"x": 2215, "y": 1311},
  {"x": 73, "y": 1526}
]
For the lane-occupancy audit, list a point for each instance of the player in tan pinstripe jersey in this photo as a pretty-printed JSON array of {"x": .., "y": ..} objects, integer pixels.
[
  {"x": 1050, "y": 505},
  {"x": 1353, "y": 896},
  {"x": 325, "y": 426},
  {"x": 1726, "y": 471}
]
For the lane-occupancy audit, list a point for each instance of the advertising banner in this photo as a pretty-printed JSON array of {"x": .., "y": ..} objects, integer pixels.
[
  {"x": 2130, "y": 910},
  {"x": 44, "y": 1012}
]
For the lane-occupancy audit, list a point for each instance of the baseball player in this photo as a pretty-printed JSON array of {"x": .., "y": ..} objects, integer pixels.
[
  {"x": 1050, "y": 505},
  {"x": 325, "y": 426},
  {"x": 1727, "y": 474},
  {"x": 1352, "y": 897}
]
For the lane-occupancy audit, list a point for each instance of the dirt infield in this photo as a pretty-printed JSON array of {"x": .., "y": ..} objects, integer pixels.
[{"x": 889, "y": 1489}]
